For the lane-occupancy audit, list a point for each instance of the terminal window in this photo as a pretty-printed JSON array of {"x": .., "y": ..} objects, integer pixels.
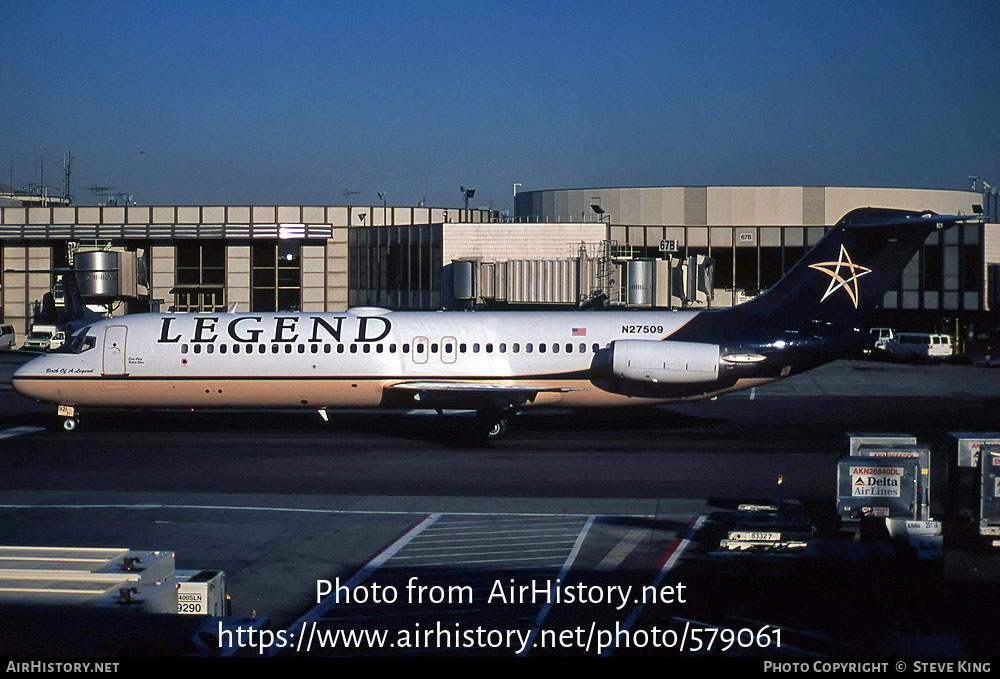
[
  {"x": 201, "y": 276},
  {"x": 276, "y": 275}
]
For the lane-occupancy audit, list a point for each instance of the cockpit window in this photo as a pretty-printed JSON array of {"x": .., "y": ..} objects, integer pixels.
[{"x": 79, "y": 342}]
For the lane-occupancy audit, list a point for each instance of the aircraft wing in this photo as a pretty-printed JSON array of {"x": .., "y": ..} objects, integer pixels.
[{"x": 469, "y": 395}]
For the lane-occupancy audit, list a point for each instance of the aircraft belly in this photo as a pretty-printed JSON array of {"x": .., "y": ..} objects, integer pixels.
[
  {"x": 307, "y": 393},
  {"x": 211, "y": 393},
  {"x": 262, "y": 393}
]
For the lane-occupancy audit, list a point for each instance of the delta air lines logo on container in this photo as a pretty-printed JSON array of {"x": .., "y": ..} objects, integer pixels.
[
  {"x": 876, "y": 481},
  {"x": 844, "y": 274}
]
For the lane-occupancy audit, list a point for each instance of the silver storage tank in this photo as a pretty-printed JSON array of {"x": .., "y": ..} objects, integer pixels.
[
  {"x": 463, "y": 273},
  {"x": 97, "y": 274},
  {"x": 640, "y": 282}
]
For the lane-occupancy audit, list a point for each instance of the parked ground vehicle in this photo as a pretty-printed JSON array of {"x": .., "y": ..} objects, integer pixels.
[
  {"x": 917, "y": 345},
  {"x": 7, "y": 336},
  {"x": 44, "y": 338},
  {"x": 879, "y": 337}
]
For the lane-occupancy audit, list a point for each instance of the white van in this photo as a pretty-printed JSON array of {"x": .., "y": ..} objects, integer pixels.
[
  {"x": 7, "y": 336},
  {"x": 921, "y": 345}
]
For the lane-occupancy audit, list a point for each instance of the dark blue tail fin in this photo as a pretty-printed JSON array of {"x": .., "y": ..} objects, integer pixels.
[
  {"x": 76, "y": 313},
  {"x": 841, "y": 280}
]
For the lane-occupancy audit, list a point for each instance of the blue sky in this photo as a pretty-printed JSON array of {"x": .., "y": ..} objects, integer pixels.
[{"x": 266, "y": 102}]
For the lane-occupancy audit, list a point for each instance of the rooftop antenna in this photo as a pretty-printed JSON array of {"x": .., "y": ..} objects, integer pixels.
[
  {"x": 123, "y": 199},
  {"x": 348, "y": 193},
  {"x": 383, "y": 197},
  {"x": 101, "y": 192},
  {"x": 43, "y": 189},
  {"x": 67, "y": 171}
]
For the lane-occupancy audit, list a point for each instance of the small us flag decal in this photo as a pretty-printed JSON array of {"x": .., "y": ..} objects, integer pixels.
[{"x": 579, "y": 332}]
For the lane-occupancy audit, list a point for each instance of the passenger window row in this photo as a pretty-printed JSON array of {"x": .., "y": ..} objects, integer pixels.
[
  {"x": 290, "y": 348},
  {"x": 367, "y": 348},
  {"x": 516, "y": 348}
]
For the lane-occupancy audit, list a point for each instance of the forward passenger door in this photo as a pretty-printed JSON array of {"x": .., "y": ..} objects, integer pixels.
[{"x": 114, "y": 350}]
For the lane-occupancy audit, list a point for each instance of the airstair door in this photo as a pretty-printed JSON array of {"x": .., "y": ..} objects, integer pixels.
[{"x": 114, "y": 350}]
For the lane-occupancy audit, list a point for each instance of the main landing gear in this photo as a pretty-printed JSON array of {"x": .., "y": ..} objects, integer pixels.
[
  {"x": 493, "y": 426},
  {"x": 70, "y": 418}
]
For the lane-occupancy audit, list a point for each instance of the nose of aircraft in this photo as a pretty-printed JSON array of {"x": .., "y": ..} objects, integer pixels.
[
  {"x": 30, "y": 379},
  {"x": 21, "y": 381},
  {"x": 17, "y": 381}
]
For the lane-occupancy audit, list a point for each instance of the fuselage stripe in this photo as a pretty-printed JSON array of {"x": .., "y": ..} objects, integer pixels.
[{"x": 579, "y": 375}]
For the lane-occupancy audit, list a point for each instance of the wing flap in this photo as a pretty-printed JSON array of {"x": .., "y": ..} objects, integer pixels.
[
  {"x": 444, "y": 393},
  {"x": 487, "y": 387}
]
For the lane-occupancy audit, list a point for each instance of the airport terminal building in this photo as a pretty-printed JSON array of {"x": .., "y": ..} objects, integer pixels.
[
  {"x": 755, "y": 234},
  {"x": 648, "y": 247},
  {"x": 203, "y": 258}
]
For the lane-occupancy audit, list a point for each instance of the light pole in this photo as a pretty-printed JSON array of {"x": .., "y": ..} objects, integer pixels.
[
  {"x": 595, "y": 205},
  {"x": 467, "y": 193},
  {"x": 381, "y": 195}
]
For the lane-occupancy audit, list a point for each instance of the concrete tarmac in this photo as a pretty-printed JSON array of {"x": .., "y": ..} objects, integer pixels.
[{"x": 282, "y": 500}]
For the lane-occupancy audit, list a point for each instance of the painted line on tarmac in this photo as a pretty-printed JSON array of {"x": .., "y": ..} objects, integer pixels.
[
  {"x": 483, "y": 544},
  {"x": 620, "y": 552},
  {"x": 19, "y": 431},
  {"x": 560, "y": 578},
  {"x": 666, "y": 563},
  {"x": 437, "y": 542},
  {"x": 366, "y": 571},
  {"x": 363, "y": 512}
]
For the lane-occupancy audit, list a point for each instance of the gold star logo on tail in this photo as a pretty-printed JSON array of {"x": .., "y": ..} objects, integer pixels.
[{"x": 848, "y": 280}]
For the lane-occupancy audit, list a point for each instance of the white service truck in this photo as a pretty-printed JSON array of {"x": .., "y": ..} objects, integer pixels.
[{"x": 44, "y": 338}]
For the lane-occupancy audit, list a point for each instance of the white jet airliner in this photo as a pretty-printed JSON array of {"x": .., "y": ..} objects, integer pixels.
[{"x": 495, "y": 363}]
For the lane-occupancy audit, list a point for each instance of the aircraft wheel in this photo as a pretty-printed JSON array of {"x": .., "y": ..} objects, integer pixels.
[
  {"x": 69, "y": 423},
  {"x": 497, "y": 429}
]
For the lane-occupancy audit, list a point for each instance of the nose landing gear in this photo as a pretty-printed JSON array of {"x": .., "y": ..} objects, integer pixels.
[{"x": 70, "y": 418}]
